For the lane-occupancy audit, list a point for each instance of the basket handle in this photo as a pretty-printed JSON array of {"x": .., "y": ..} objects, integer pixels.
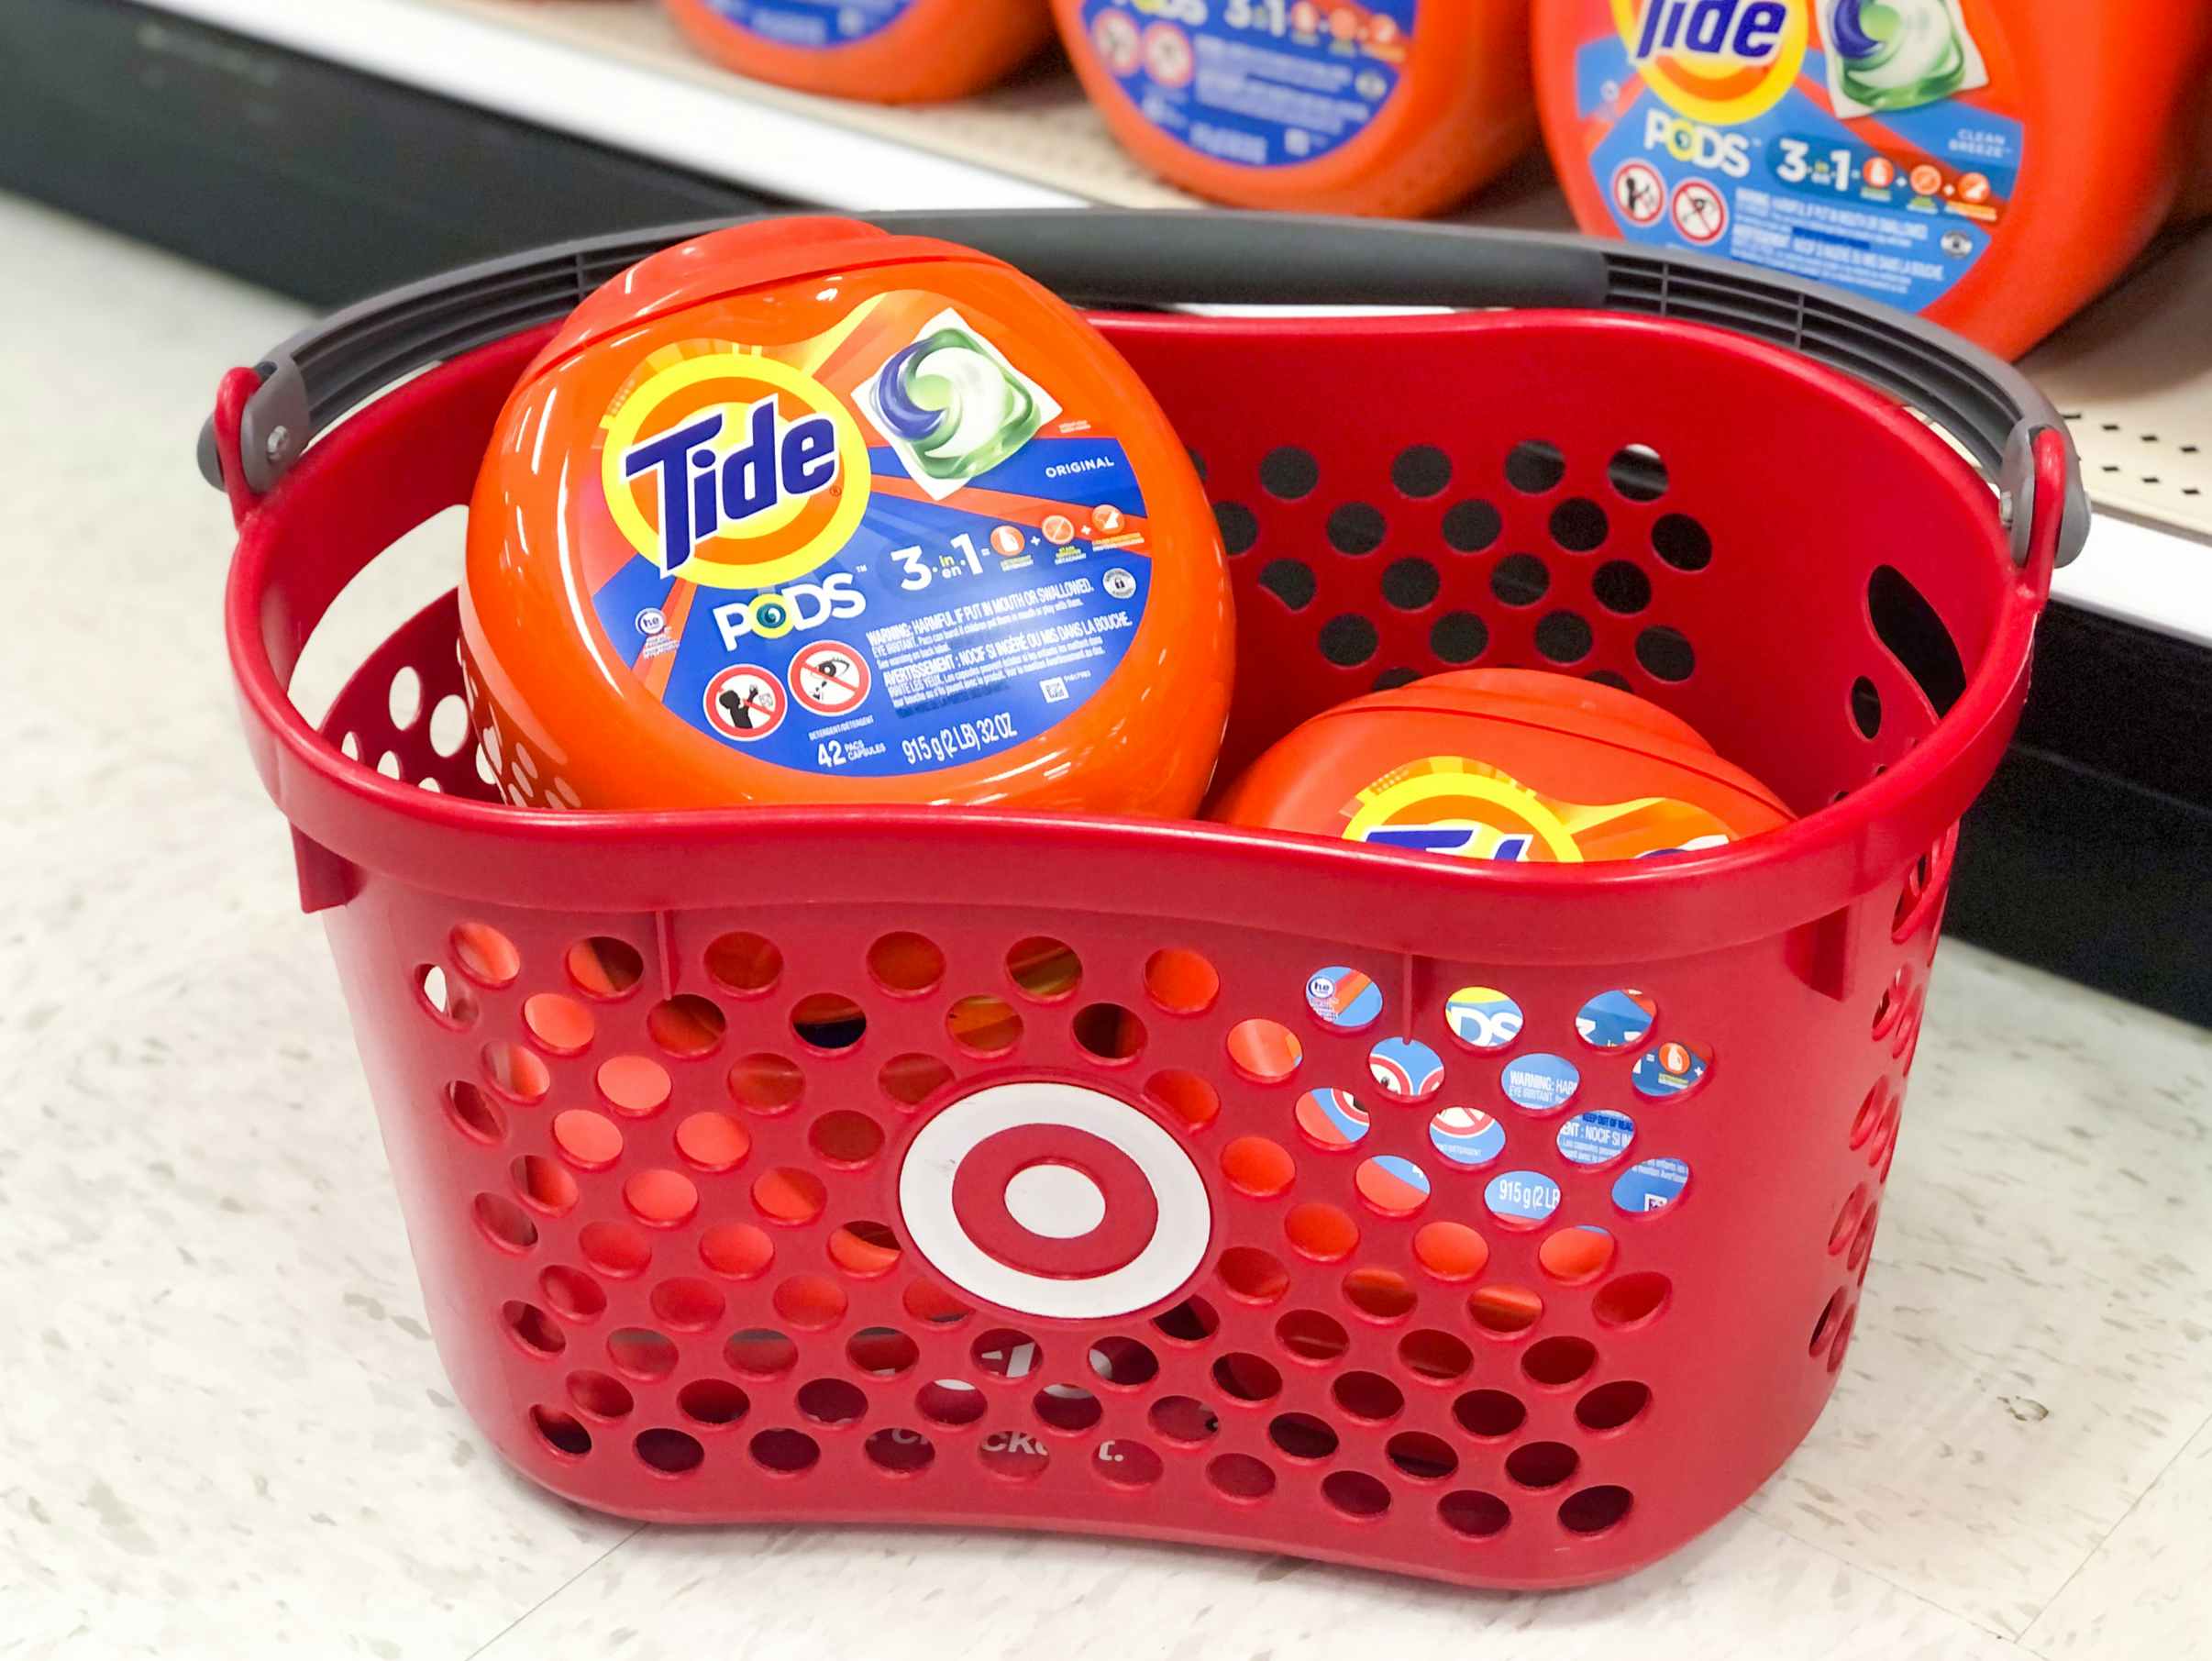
[{"x": 1121, "y": 257}]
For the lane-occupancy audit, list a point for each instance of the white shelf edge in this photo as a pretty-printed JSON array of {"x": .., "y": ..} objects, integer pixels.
[
  {"x": 2136, "y": 572},
  {"x": 2145, "y": 574},
  {"x": 557, "y": 84}
]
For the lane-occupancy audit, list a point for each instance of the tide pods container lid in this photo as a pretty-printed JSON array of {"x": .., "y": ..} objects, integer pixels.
[{"x": 803, "y": 511}]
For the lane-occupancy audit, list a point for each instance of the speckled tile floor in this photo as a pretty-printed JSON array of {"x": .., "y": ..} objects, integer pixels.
[{"x": 224, "y": 1432}]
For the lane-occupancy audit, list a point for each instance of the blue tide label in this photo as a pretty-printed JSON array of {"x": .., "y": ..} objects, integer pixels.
[
  {"x": 1260, "y": 83},
  {"x": 1853, "y": 142},
  {"x": 889, "y": 550},
  {"x": 812, "y": 22}
]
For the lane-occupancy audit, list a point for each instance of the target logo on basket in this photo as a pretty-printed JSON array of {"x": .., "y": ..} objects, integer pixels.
[{"x": 733, "y": 469}]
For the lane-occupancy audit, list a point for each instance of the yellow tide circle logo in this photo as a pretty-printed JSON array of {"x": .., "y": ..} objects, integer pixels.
[
  {"x": 732, "y": 470},
  {"x": 1723, "y": 62},
  {"x": 1447, "y": 805}
]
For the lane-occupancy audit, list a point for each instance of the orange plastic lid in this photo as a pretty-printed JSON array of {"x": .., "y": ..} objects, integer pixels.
[
  {"x": 1991, "y": 164},
  {"x": 887, "y": 51},
  {"x": 1396, "y": 107},
  {"x": 804, "y": 512},
  {"x": 1504, "y": 764}
]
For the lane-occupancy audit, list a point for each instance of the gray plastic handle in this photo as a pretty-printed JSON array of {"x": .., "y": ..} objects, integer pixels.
[{"x": 1109, "y": 256}]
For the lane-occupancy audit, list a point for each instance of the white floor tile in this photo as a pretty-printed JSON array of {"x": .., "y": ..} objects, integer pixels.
[
  {"x": 2036, "y": 1341},
  {"x": 223, "y": 1431},
  {"x": 804, "y": 1594},
  {"x": 2148, "y": 1590}
]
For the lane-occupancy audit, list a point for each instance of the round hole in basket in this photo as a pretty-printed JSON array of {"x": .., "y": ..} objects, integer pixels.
[
  {"x": 1069, "y": 1409},
  {"x": 1044, "y": 968},
  {"x": 785, "y": 1452},
  {"x": 737, "y": 1250},
  {"x": 760, "y": 1352},
  {"x": 1541, "y": 1463},
  {"x": 712, "y": 1141},
  {"x": 1183, "y": 1420},
  {"x": 1433, "y": 1356},
  {"x": 713, "y": 1402},
  {"x": 899, "y": 1451},
  {"x": 1594, "y": 1511},
  {"x": 1450, "y": 1251},
  {"x": 603, "y": 967},
  {"x": 1613, "y": 1406},
  {"x": 882, "y": 1352},
  {"x": 950, "y": 1401},
  {"x": 1421, "y": 1456},
  {"x": 983, "y": 1026},
  {"x": 1191, "y": 1322},
  {"x": 1490, "y": 1415},
  {"x": 1243, "y": 1377},
  {"x": 832, "y": 1401},
  {"x": 561, "y": 1431},
  {"x": 745, "y": 963},
  {"x": 828, "y": 1022},
  {"x": 617, "y": 1251},
  {"x": 1311, "y": 1336},
  {"x": 1302, "y": 1437},
  {"x": 599, "y": 1395},
  {"x": 573, "y": 1295},
  {"x": 1187, "y": 1097},
  {"x": 1108, "y": 1032},
  {"x": 1355, "y": 1494},
  {"x": 446, "y": 1000},
  {"x": 1322, "y": 1231},
  {"x": 1367, "y": 1396},
  {"x": 641, "y": 1353},
  {"x": 636, "y": 1086},
  {"x": 933, "y": 1305},
  {"x": 1505, "y": 1311},
  {"x": 1471, "y": 527},
  {"x": 811, "y": 1303},
  {"x": 1473, "y": 1514},
  {"x": 671, "y": 1453},
  {"x": 686, "y": 1024},
  {"x": 473, "y": 1113},
  {"x": 1421, "y": 470},
  {"x": 1631, "y": 1300},
  {"x": 1258, "y": 1166},
  {"x": 485, "y": 954},
  {"x": 864, "y": 1248},
  {"x": 906, "y": 963},
  {"x": 1240, "y": 1478},
  {"x": 504, "y": 1224},
  {"x": 1382, "y": 1295}
]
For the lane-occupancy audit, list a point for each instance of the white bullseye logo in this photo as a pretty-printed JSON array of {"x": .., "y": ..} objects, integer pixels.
[{"x": 1057, "y": 1201}]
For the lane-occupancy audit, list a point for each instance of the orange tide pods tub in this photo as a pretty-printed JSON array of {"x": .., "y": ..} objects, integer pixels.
[
  {"x": 1515, "y": 765},
  {"x": 885, "y": 51},
  {"x": 805, "y": 511},
  {"x": 1396, "y": 107},
  {"x": 1990, "y": 164}
]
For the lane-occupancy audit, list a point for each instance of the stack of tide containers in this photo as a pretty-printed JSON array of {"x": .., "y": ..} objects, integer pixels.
[{"x": 1990, "y": 164}]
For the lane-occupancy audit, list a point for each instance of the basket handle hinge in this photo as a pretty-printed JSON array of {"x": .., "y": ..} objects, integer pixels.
[
  {"x": 1824, "y": 954},
  {"x": 325, "y": 880}
]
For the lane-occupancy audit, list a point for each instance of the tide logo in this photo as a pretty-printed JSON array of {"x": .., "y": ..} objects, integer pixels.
[
  {"x": 1720, "y": 61},
  {"x": 732, "y": 470},
  {"x": 1448, "y": 805}
]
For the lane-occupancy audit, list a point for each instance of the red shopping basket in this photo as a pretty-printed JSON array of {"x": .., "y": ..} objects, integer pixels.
[{"x": 1500, "y": 1224}]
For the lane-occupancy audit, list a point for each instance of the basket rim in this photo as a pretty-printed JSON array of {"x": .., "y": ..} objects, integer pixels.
[{"x": 490, "y": 853}]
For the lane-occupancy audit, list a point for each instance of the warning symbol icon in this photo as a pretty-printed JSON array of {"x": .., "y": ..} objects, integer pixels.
[
  {"x": 745, "y": 703},
  {"x": 830, "y": 678}
]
